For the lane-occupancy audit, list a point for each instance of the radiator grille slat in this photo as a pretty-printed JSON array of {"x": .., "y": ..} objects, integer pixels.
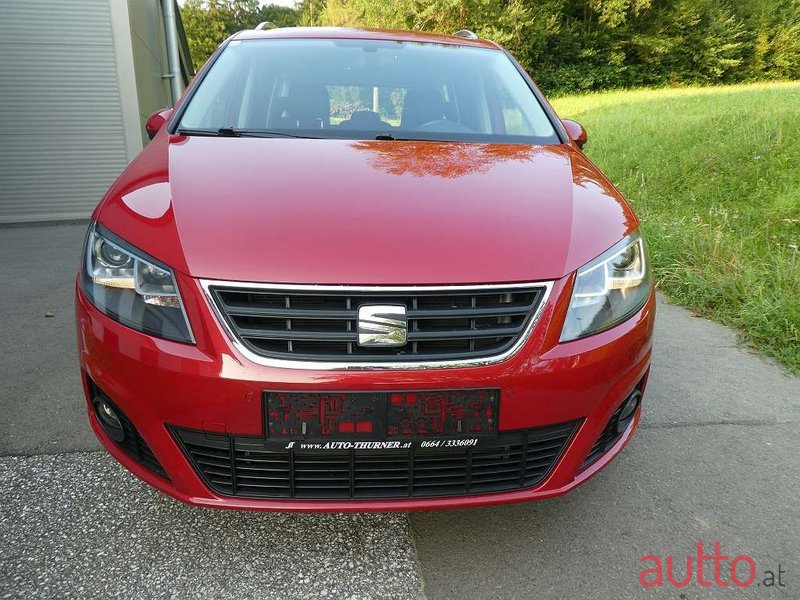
[
  {"x": 322, "y": 325},
  {"x": 514, "y": 460}
]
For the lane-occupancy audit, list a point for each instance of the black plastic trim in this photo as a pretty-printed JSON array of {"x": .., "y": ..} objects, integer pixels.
[
  {"x": 134, "y": 445},
  {"x": 515, "y": 460},
  {"x": 609, "y": 436}
]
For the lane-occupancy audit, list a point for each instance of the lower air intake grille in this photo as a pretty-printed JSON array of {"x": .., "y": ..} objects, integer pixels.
[
  {"x": 611, "y": 434},
  {"x": 608, "y": 437},
  {"x": 245, "y": 467},
  {"x": 133, "y": 443}
]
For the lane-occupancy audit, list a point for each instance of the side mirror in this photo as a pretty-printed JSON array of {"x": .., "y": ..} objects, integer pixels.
[
  {"x": 156, "y": 121},
  {"x": 576, "y": 132}
]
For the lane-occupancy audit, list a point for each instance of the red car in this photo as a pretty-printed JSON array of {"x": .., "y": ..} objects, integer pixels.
[{"x": 363, "y": 270}]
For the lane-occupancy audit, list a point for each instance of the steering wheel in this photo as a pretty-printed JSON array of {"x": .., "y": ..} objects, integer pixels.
[{"x": 444, "y": 126}]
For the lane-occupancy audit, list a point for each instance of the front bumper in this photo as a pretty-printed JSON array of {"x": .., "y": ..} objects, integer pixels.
[{"x": 211, "y": 387}]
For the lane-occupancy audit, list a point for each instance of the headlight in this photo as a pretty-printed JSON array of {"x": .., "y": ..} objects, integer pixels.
[
  {"x": 609, "y": 289},
  {"x": 133, "y": 288}
]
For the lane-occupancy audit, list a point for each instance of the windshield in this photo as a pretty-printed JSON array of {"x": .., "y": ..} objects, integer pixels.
[{"x": 367, "y": 89}]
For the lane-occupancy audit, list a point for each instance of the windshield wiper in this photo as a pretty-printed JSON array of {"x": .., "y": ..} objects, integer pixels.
[
  {"x": 223, "y": 132},
  {"x": 231, "y": 132},
  {"x": 392, "y": 138}
]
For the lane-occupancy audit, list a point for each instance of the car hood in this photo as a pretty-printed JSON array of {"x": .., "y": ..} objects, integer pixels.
[{"x": 365, "y": 212}]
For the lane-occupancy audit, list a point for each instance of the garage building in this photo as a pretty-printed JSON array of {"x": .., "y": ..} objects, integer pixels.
[{"x": 77, "y": 81}]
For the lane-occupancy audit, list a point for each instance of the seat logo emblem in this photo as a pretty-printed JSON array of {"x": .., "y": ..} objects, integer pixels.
[{"x": 382, "y": 325}]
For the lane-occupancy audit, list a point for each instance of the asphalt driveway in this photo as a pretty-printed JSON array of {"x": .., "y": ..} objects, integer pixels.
[{"x": 716, "y": 460}]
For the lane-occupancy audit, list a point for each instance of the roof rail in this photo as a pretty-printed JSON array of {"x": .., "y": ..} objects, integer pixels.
[
  {"x": 266, "y": 25},
  {"x": 466, "y": 34}
]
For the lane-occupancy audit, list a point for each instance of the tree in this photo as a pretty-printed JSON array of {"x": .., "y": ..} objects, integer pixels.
[
  {"x": 566, "y": 45},
  {"x": 205, "y": 28},
  {"x": 209, "y": 22}
]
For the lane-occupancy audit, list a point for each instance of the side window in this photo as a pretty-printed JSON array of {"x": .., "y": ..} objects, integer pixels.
[
  {"x": 391, "y": 105},
  {"x": 346, "y": 100},
  {"x": 471, "y": 102},
  {"x": 219, "y": 99},
  {"x": 250, "y": 98},
  {"x": 515, "y": 110},
  {"x": 514, "y": 121},
  {"x": 278, "y": 100}
]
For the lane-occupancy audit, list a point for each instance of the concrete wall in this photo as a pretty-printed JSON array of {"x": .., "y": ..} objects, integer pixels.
[{"x": 149, "y": 57}]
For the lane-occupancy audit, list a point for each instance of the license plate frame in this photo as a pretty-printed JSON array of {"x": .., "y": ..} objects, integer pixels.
[{"x": 394, "y": 416}]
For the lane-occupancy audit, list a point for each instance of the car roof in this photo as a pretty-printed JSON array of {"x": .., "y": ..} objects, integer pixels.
[{"x": 310, "y": 33}]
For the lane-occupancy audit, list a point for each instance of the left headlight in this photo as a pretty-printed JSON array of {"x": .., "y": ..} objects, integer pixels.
[
  {"x": 131, "y": 287},
  {"x": 609, "y": 289}
]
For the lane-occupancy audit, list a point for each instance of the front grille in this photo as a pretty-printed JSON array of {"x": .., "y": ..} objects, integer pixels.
[
  {"x": 443, "y": 324},
  {"x": 245, "y": 467}
]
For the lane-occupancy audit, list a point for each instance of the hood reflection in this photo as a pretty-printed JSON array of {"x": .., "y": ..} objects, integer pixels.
[
  {"x": 442, "y": 159},
  {"x": 150, "y": 201}
]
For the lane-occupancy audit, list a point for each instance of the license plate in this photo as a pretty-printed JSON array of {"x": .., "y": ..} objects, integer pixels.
[{"x": 412, "y": 415}]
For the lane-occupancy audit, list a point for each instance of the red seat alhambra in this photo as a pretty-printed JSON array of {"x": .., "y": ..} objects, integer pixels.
[{"x": 363, "y": 270}]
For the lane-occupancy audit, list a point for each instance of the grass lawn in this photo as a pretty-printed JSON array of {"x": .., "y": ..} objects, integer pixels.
[{"x": 714, "y": 173}]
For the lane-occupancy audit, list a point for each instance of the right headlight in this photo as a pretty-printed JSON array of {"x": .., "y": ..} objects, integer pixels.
[
  {"x": 133, "y": 288},
  {"x": 609, "y": 289}
]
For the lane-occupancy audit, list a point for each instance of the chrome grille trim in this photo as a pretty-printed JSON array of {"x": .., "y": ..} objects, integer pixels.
[{"x": 545, "y": 287}]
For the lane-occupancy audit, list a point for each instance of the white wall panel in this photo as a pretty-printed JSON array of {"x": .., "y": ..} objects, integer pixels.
[{"x": 62, "y": 139}]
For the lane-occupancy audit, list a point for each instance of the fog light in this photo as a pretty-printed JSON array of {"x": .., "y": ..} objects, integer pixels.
[
  {"x": 107, "y": 415},
  {"x": 628, "y": 410}
]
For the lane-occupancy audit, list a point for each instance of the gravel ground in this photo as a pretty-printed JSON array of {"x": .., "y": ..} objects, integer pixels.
[{"x": 79, "y": 526}]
